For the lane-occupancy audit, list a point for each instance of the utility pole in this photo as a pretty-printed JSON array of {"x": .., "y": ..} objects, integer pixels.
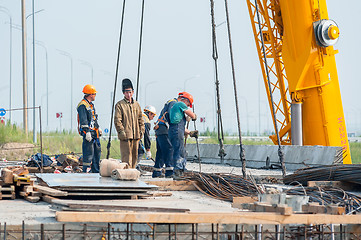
[
  {"x": 34, "y": 87},
  {"x": 25, "y": 80}
]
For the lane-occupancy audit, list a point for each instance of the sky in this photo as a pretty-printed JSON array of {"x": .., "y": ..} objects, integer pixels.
[{"x": 176, "y": 56}]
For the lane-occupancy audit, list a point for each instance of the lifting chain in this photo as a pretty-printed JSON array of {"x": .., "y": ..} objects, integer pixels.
[{"x": 220, "y": 134}]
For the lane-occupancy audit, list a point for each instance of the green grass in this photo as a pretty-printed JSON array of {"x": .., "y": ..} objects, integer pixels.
[
  {"x": 66, "y": 142},
  {"x": 12, "y": 133}
]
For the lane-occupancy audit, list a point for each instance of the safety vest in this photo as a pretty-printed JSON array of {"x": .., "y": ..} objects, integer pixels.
[
  {"x": 164, "y": 115},
  {"x": 93, "y": 125}
]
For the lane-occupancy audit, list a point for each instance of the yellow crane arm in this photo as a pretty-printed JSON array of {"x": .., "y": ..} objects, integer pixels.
[{"x": 298, "y": 37}]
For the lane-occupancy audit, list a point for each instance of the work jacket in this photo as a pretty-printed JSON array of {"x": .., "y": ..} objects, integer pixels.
[
  {"x": 147, "y": 126},
  {"x": 128, "y": 120},
  {"x": 87, "y": 119}
]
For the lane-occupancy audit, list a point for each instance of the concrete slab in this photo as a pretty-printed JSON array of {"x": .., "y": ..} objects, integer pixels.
[{"x": 295, "y": 156}]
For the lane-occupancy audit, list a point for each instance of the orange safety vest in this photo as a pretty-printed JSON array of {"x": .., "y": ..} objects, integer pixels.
[{"x": 90, "y": 108}]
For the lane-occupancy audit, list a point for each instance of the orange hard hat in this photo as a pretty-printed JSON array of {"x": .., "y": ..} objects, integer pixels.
[
  {"x": 89, "y": 89},
  {"x": 187, "y": 96}
]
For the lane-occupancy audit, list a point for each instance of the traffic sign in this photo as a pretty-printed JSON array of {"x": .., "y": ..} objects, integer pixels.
[
  {"x": 2, "y": 112},
  {"x": 106, "y": 130},
  {"x": 59, "y": 115}
]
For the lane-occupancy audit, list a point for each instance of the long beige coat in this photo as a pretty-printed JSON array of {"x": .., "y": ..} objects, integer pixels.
[{"x": 128, "y": 120}]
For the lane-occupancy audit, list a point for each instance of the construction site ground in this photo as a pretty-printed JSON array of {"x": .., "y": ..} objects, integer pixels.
[{"x": 13, "y": 212}]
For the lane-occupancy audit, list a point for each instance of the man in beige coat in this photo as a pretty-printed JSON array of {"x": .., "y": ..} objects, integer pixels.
[{"x": 128, "y": 121}]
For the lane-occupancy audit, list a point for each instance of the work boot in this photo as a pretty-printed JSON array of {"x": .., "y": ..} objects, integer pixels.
[
  {"x": 157, "y": 174},
  {"x": 178, "y": 172},
  {"x": 169, "y": 173}
]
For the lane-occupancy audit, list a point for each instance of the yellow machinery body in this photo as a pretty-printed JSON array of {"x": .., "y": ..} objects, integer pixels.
[{"x": 310, "y": 69}]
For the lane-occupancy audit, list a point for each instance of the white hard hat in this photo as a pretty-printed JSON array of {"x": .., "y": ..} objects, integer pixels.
[{"x": 151, "y": 109}]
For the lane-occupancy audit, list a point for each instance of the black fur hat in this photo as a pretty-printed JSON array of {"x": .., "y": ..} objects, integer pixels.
[{"x": 126, "y": 83}]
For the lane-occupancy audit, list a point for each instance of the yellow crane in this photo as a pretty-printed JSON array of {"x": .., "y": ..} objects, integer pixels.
[{"x": 298, "y": 39}]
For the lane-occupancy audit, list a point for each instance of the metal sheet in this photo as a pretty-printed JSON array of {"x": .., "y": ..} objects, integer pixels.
[{"x": 89, "y": 180}]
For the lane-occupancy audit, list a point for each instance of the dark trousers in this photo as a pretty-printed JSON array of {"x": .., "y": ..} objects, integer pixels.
[
  {"x": 163, "y": 156},
  {"x": 176, "y": 136},
  {"x": 91, "y": 155}
]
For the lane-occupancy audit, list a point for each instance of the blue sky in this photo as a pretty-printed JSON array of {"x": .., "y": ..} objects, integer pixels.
[{"x": 176, "y": 55}]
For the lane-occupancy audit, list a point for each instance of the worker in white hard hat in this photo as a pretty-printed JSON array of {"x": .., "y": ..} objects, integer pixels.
[{"x": 144, "y": 147}]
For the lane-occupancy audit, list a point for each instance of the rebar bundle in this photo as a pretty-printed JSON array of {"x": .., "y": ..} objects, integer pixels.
[
  {"x": 340, "y": 172},
  {"x": 223, "y": 186}
]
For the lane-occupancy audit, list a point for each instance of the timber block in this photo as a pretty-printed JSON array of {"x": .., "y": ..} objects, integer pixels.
[
  {"x": 32, "y": 199},
  {"x": 7, "y": 176},
  {"x": 239, "y": 201},
  {"x": 315, "y": 208},
  {"x": 265, "y": 207}
]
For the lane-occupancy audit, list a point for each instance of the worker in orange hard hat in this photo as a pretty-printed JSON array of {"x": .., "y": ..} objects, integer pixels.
[
  {"x": 88, "y": 128},
  {"x": 177, "y": 129}
]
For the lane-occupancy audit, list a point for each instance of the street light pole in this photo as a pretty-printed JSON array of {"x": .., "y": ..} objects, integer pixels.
[
  {"x": 71, "y": 85},
  {"x": 25, "y": 80},
  {"x": 34, "y": 123},
  {"x": 6, "y": 11},
  {"x": 186, "y": 80},
  {"x": 47, "y": 81},
  {"x": 91, "y": 69},
  {"x": 146, "y": 89}
]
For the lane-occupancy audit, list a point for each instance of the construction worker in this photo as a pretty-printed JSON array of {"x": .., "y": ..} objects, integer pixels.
[
  {"x": 88, "y": 128},
  {"x": 177, "y": 129},
  {"x": 149, "y": 113},
  {"x": 128, "y": 120},
  {"x": 164, "y": 153}
]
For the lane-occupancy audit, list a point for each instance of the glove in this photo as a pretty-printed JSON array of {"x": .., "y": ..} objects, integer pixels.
[
  {"x": 100, "y": 132},
  {"x": 148, "y": 154},
  {"x": 195, "y": 117},
  {"x": 122, "y": 136},
  {"x": 88, "y": 137},
  {"x": 194, "y": 134}
]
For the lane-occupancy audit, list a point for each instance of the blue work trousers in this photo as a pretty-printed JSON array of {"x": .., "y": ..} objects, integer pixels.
[
  {"x": 176, "y": 136},
  {"x": 163, "y": 156},
  {"x": 91, "y": 155}
]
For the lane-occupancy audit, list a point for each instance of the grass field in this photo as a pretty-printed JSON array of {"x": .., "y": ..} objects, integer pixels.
[{"x": 65, "y": 142}]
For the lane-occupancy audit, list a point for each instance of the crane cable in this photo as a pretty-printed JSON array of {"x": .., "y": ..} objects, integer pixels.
[
  {"x": 280, "y": 151},
  {"x": 220, "y": 134},
  {"x": 241, "y": 150},
  {"x": 140, "y": 49},
  {"x": 115, "y": 81}
]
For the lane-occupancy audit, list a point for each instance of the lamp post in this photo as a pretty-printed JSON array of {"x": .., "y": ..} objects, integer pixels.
[
  {"x": 187, "y": 79},
  {"x": 34, "y": 87},
  {"x": 71, "y": 85},
  {"x": 25, "y": 79},
  {"x": 91, "y": 68},
  {"x": 7, "y": 12},
  {"x": 41, "y": 44},
  {"x": 146, "y": 89}
]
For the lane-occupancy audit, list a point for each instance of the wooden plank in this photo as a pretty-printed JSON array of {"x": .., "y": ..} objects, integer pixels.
[
  {"x": 10, "y": 188},
  {"x": 50, "y": 199},
  {"x": 28, "y": 188},
  {"x": 201, "y": 217},
  {"x": 171, "y": 185},
  {"x": 32, "y": 199},
  {"x": 50, "y": 191},
  {"x": 11, "y": 195},
  {"x": 97, "y": 207},
  {"x": 23, "y": 194},
  {"x": 7, "y": 176},
  {"x": 21, "y": 171},
  {"x": 107, "y": 194},
  {"x": 101, "y": 189}
]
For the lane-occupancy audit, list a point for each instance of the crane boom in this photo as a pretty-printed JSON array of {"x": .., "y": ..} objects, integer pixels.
[{"x": 298, "y": 38}]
